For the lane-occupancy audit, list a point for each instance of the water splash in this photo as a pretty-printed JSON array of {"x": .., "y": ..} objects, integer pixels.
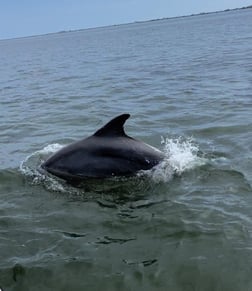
[
  {"x": 180, "y": 155},
  {"x": 31, "y": 164}
]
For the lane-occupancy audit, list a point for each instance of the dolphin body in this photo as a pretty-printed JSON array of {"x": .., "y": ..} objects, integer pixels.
[{"x": 108, "y": 152}]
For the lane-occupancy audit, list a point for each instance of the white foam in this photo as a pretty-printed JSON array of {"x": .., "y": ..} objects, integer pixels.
[
  {"x": 37, "y": 155},
  {"x": 180, "y": 155},
  {"x": 51, "y": 148},
  {"x": 30, "y": 165}
]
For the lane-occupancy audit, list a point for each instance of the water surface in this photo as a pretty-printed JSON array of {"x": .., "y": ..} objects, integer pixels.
[{"x": 187, "y": 84}]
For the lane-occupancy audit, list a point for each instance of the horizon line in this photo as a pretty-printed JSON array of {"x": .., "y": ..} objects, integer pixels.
[{"x": 128, "y": 23}]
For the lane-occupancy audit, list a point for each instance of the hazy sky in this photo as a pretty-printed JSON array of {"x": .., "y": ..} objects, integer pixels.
[{"x": 30, "y": 17}]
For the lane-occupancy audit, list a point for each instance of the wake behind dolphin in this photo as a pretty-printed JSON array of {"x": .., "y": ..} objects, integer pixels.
[{"x": 107, "y": 153}]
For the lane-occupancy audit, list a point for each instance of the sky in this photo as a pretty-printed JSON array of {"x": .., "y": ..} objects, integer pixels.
[{"x": 20, "y": 18}]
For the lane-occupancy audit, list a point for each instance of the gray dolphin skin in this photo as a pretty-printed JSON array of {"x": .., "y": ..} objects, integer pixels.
[{"x": 108, "y": 152}]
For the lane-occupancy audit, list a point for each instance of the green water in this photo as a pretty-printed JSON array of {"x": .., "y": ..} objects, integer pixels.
[{"x": 186, "y": 226}]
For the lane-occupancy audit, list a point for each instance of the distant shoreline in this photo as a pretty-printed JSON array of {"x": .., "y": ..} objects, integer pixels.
[
  {"x": 195, "y": 14},
  {"x": 120, "y": 24}
]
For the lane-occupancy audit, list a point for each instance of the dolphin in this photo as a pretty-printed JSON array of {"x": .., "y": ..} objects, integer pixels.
[{"x": 108, "y": 152}]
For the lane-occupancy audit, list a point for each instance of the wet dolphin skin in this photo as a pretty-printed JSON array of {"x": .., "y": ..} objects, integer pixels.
[{"x": 108, "y": 152}]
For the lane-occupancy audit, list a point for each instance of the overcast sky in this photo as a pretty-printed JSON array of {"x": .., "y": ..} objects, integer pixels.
[{"x": 31, "y": 17}]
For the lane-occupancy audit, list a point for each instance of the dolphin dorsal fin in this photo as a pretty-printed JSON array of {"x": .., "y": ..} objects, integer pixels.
[{"x": 114, "y": 127}]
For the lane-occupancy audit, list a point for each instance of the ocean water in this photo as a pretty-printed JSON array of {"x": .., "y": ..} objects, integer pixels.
[{"x": 187, "y": 225}]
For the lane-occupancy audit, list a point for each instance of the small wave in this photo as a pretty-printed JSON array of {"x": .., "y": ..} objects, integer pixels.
[
  {"x": 31, "y": 164},
  {"x": 180, "y": 155}
]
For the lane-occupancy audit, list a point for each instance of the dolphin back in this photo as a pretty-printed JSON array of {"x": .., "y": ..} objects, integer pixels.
[{"x": 108, "y": 152}]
